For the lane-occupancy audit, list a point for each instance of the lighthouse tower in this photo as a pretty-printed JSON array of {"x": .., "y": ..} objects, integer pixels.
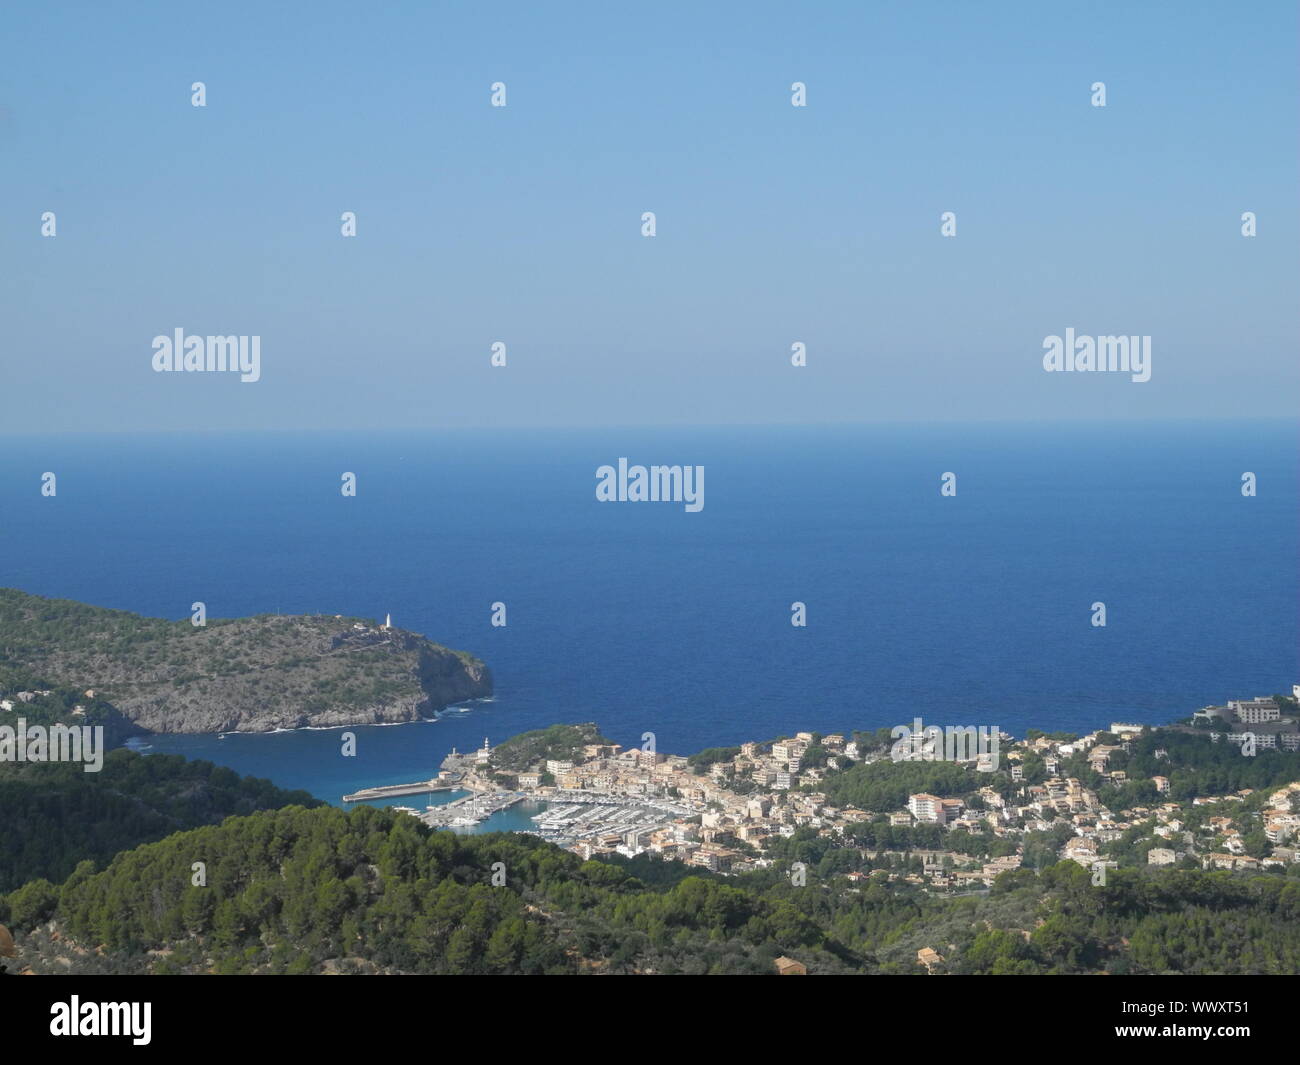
[{"x": 388, "y": 621}]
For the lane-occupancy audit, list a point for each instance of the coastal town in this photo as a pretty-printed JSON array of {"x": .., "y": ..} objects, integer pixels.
[{"x": 1033, "y": 801}]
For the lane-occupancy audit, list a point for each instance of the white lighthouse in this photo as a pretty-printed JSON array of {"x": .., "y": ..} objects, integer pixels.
[{"x": 388, "y": 621}]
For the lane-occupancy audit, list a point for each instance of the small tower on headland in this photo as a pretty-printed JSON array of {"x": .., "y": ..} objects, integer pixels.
[{"x": 388, "y": 621}]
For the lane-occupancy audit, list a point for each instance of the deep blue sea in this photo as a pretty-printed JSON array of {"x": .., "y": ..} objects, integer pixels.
[{"x": 974, "y": 609}]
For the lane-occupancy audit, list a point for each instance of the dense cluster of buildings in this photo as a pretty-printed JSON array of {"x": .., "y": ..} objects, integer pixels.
[{"x": 724, "y": 815}]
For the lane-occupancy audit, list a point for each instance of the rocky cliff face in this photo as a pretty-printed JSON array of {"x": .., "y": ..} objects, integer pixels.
[{"x": 248, "y": 674}]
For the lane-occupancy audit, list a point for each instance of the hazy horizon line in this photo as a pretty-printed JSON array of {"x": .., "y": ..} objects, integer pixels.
[{"x": 1293, "y": 419}]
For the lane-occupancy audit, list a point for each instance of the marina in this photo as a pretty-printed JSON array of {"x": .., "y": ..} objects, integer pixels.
[
  {"x": 469, "y": 811},
  {"x": 576, "y": 816}
]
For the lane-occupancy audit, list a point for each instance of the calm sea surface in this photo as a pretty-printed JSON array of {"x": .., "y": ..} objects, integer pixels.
[{"x": 645, "y": 618}]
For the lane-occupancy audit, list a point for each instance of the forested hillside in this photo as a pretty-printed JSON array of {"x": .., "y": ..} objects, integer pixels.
[
  {"x": 321, "y": 890},
  {"x": 54, "y": 815}
]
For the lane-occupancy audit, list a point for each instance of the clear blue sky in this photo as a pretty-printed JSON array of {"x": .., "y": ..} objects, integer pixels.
[{"x": 522, "y": 224}]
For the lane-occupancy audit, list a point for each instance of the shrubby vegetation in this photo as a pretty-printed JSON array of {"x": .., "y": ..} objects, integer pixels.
[
  {"x": 885, "y": 785},
  {"x": 1195, "y": 765},
  {"x": 701, "y": 760},
  {"x": 59, "y": 705},
  {"x": 254, "y": 673},
  {"x": 561, "y": 742}
]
